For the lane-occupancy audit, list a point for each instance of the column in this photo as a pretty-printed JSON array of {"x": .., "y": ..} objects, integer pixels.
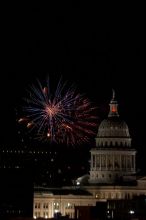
[
  {"x": 95, "y": 162},
  {"x": 91, "y": 161},
  {"x": 131, "y": 168},
  {"x": 120, "y": 163},
  {"x": 134, "y": 162},
  {"x": 126, "y": 162},
  {"x": 113, "y": 162},
  {"x": 100, "y": 161}
]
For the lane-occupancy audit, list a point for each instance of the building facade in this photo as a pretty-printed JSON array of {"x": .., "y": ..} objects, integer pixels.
[
  {"x": 113, "y": 159},
  {"x": 112, "y": 173}
]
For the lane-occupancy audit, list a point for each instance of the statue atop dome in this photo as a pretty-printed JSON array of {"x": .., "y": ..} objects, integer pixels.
[{"x": 113, "y": 98}]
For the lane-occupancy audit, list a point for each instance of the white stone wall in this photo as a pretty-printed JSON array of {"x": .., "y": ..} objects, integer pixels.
[{"x": 45, "y": 205}]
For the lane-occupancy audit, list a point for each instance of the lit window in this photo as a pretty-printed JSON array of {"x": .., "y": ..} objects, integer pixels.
[
  {"x": 114, "y": 108},
  {"x": 97, "y": 195}
]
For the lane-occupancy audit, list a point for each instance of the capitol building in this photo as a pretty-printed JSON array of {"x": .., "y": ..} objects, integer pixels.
[{"x": 112, "y": 173}]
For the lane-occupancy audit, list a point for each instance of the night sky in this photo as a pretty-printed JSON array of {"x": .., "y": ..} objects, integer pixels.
[{"x": 97, "y": 48}]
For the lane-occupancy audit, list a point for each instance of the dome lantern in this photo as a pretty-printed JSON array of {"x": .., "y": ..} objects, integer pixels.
[{"x": 113, "y": 107}]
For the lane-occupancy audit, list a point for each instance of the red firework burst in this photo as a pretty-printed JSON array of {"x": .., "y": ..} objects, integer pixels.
[{"x": 65, "y": 117}]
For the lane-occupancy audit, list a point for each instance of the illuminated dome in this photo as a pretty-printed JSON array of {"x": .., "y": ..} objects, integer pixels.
[
  {"x": 113, "y": 127},
  {"x": 113, "y": 131}
]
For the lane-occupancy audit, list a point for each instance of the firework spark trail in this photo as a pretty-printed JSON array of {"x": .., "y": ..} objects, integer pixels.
[{"x": 65, "y": 117}]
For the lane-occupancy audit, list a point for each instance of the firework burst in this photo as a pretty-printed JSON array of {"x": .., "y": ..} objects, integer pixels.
[{"x": 65, "y": 117}]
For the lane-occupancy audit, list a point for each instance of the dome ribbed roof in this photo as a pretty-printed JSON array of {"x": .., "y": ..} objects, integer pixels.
[{"x": 113, "y": 127}]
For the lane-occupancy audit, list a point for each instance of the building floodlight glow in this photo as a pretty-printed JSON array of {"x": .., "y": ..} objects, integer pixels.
[{"x": 131, "y": 212}]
